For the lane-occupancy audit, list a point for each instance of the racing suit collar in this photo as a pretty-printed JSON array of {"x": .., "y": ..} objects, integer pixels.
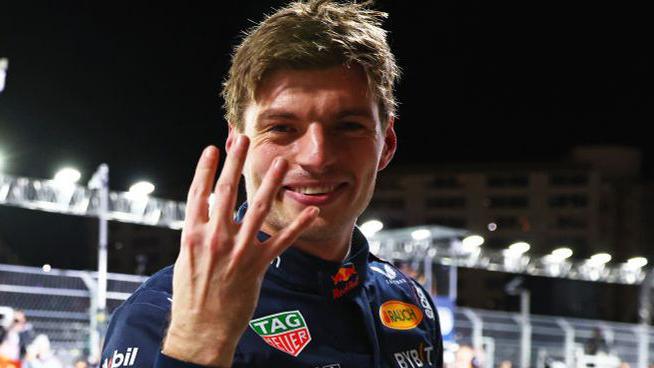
[{"x": 305, "y": 272}]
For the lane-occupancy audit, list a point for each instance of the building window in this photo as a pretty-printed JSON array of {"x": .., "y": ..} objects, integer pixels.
[
  {"x": 389, "y": 184},
  {"x": 568, "y": 201},
  {"x": 457, "y": 222},
  {"x": 570, "y": 222},
  {"x": 513, "y": 223},
  {"x": 394, "y": 223},
  {"x": 445, "y": 182},
  {"x": 568, "y": 180},
  {"x": 446, "y": 202},
  {"x": 572, "y": 242},
  {"x": 507, "y": 181},
  {"x": 388, "y": 203},
  {"x": 507, "y": 222},
  {"x": 507, "y": 202}
]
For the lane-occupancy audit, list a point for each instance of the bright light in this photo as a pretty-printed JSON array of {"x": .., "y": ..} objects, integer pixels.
[
  {"x": 4, "y": 64},
  {"x": 471, "y": 243},
  {"x": 517, "y": 249},
  {"x": 46, "y": 268},
  {"x": 420, "y": 234},
  {"x": 562, "y": 253},
  {"x": 492, "y": 226},
  {"x": 141, "y": 189},
  {"x": 67, "y": 175},
  {"x": 369, "y": 228},
  {"x": 636, "y": 262},
  {"x": 374, "y": 246},
  {"x": 408, "y": 248},
  {"x": 599, "y": 259},
  {"x": 211, "y": 201}
]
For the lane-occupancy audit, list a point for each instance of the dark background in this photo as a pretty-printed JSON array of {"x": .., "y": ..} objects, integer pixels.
[{"x": 136, "y": 85}]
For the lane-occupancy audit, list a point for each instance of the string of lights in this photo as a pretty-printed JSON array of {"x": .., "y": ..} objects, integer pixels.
[
  {"x": 446, "y": 246},
  {"x": 459, "y": 248}
]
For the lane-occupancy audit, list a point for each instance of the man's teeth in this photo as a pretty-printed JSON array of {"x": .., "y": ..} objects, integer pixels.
[{"x": 314, "y": 190}]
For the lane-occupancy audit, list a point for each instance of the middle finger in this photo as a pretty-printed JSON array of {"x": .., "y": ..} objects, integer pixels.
[{"x": 227, "y": 186}]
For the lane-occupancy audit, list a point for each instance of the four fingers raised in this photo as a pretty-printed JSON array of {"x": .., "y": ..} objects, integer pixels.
[{"x": 225, "y": 194}]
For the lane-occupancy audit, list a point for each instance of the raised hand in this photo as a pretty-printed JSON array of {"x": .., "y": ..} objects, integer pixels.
[{"x": 221, "y": 264}]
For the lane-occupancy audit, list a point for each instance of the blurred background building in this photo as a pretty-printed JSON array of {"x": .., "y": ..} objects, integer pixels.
[{"x": 595, "y": 201}]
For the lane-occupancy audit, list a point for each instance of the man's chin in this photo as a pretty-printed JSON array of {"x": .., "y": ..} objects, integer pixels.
[
  {"x": 320, "y": 233},
  {"x": 323, "y": 228}
]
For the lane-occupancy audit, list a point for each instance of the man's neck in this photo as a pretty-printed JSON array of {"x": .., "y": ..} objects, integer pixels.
[
  {"x": 329, "y": 250},
  {"x": 334, "y": 248}
]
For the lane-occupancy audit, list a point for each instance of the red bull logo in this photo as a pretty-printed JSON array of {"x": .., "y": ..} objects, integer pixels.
[
  {"x": 344, "y": 280},
  {"x": 344, "y": 274}
]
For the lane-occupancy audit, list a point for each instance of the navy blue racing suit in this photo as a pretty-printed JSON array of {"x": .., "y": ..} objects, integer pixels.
[{"x": 358, "y": 313}]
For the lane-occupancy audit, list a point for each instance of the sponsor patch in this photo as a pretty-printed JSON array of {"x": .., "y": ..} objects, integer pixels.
[
  {"x": 344, "y": 280},
  {"x": 423, "y": 301},
  {"x": 117, "y": 359},
  {"x": 388, "y": 271},
  {"x": 286, "y": 331},
  {"x": 400, "y": 315},
  {"x": 390, "y": 274},
  {"x": 420, "y": 357}
]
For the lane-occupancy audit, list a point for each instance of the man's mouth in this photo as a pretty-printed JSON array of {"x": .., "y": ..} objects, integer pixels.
[
  {"x": 312, "y": 190},
  {"x": 314, "y": 194}
]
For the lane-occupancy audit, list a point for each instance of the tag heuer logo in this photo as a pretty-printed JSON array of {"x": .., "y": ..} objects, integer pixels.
[{"x": 286, "y": 331}]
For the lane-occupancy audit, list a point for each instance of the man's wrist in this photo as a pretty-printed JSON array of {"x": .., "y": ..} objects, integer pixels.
[
  {"x": 164, "y": 361},
  {"x": 198, "y": 348}
]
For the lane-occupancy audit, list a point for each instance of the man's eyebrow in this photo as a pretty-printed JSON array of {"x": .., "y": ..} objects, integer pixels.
[
  {"x": 276, "y": 114},
  {"x": 288, "y": 115},
  {"x": 355, "y": 112}
]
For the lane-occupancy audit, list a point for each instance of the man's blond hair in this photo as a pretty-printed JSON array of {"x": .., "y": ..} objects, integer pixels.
[{"x": 313, "y": 34}]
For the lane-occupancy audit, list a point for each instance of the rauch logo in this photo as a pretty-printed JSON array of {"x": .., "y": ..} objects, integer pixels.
[
  {"x": 399, "y": 315},
  {"x": 286, "y": 331}
]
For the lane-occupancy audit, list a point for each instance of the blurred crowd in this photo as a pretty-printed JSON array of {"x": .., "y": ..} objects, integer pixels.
[{"x": 20, "y": 347}]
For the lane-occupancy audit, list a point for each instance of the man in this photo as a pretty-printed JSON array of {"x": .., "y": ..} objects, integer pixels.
[
  {"x": 17, "y": 336},
  {"x": 289, "y": 282}
]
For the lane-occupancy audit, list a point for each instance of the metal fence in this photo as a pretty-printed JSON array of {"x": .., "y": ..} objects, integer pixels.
[
  {"x": 59, "y": 303},
  {"x": 552, "y": 338}
]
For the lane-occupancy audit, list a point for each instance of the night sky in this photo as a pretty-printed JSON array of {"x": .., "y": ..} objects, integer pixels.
[{"x": 136, "y": 85}]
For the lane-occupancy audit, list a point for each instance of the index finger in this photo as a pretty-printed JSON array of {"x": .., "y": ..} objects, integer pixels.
[{"x": 197, "y": 201}]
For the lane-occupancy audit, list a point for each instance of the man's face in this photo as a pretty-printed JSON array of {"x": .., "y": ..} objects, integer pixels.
[
  {"x": 327, "y": 126},
  {"x": 19, "y": 318}
]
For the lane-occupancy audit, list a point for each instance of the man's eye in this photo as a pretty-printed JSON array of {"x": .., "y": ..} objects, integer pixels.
[
  {"x": 280, "y": 128},
  {"x": 350, "y": 125}
]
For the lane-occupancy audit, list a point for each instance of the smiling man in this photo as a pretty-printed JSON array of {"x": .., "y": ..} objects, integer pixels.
[{"x": 289, "y": 282}]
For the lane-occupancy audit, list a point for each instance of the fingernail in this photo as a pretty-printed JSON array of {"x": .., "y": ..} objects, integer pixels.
[
  {"x": 315, "y": 211},
  {"x": 241, "y": 139},
  {"x": 279, "y": 162},
  {"x": 238, "y": 143},
  {"x": 209, "y": 152}
]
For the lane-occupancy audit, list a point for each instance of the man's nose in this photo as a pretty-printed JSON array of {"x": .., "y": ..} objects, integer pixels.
[{"x": 315, "y": 149}]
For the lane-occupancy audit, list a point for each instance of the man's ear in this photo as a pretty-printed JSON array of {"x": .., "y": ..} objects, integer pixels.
[{"x": 390, "y": 145}]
